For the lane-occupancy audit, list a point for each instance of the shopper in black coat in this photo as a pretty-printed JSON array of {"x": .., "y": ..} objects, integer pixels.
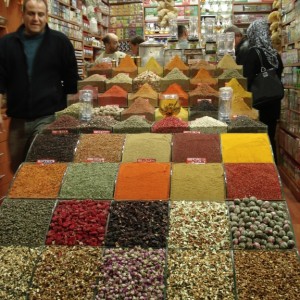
[
  {"x": 241, "y": 44},
  {"x": 259, "y": 37}
]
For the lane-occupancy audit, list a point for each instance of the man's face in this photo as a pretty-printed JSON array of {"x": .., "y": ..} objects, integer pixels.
[
  {"x": 237, "y": 39},
  {"x": 113, "y": 45},
  {"x": 35, "y": 17}
]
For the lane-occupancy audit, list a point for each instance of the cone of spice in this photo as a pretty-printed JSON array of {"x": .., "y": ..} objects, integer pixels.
[
  {"x": 239, "y": 91},
  {"x": 203, "y": 107},
  {"x": 134, "y": 124},
  {"x": 115, "y": 95},
  {"x": 227, "y": 62},
  {"x": 203, "y": 76},
  {"x": 227, "y": 75},
  {"x": 245, "y": 124},
  {"x": 122, "y": 80},
  {"x": 175, "y": 88},
  {"x": 103, "y": 68},
  {"x": 202, "y": 64},
  {"x": 176, "y": 62},
  {"x": 204, "y": 91},
  {"x": 95, "y": 80},
  {"x": 147, "y": 77},
  {"x": 175, "y": 76},
  {"x": 146, "y": 91},
  {"x": 170, "y": 125},
  {"x": 72, "y": 110},
  {"x": 63, "y": 122},
  {"x": 126, "y": 66},
  {"x": 140, "y": 107},
  {"x": 153, "y": 66},
  {"x": 239, "y": 107}
]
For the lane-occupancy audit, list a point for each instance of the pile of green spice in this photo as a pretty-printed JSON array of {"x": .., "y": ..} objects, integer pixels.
[
  {"x": 198, "y": 225},
  {"x": 170, "y": 125},
  {"x": 246, "y": 124},
  {"x": 59, "y": 147},
  {"x": 25, "y": 222},
  {"x": 143, "y": 224},
  {"x": 147, "y": 146},
  {"x": 197, "y": 182},
  {"x": 73, "y": 110},
  {"x": 17, "y": 264},
  {"x": 100, "y": 147},
  {"x": 200, "y": 275},
  {"x": 208, "y": 125},
  {"x": 66, "y": 273},
  {"x": 231, "y": 73},
  {"x": 204, "y": 146},
  {"x": 89, "y": 181},
  {"x": 98, "y": 123},
  {"x": 134, "y": 124},
  {"x": 267, "y": 275},
  {"x": 175, "y": 74}
]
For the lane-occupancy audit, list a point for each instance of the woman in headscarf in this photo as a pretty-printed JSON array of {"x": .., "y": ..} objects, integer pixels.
[{"x": 259, "y": 37}]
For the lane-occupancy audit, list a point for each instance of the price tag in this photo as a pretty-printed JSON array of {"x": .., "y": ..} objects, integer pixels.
[
  {"x": 147, "y": 160},
  {"x": 95, "y": 159},
  {"x": 60, "y": 132},
  {"x": 45, "y": 161},
  {"x": 192, "y": 131},
  {"x": 196, "y": 160},
  {"x": 101, "y": 131}
]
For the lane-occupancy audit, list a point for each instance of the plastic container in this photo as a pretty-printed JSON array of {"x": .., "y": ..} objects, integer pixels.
[
  {"x": 86, "y": 109},
  {"x": 225, "y": 99}
]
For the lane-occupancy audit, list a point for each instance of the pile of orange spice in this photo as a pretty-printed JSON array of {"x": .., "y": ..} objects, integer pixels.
[
  {"x": 126, "y": 65},
  {"x": 176, "y": 62},
  {"x": 203, "y": 76},
  {"x": 175, "y": 88}
]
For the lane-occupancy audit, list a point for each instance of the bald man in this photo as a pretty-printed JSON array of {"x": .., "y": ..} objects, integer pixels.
[{"x": 111, "y": 44}]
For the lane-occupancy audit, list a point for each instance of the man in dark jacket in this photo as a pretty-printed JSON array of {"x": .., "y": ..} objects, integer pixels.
[
  {"x": 38, "y": 69},
  {"x": 241, "y": 44}
]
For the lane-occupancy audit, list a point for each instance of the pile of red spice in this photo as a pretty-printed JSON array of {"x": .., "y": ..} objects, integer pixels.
[
  {"x": 252, "y": 179},
  {"x": 170, "y": 125},
  {"x": 113, "y": 96},
  {"x": 78, "y": 223}
]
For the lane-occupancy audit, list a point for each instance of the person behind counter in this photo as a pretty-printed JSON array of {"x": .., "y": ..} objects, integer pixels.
[
  {"x": 241, "y": 44},
  {"x": 182, "y": 37},
  {"x": 38, "y": 69},
  {"x": 134, "y": 45},
  {"x": 111, "y": 44}
]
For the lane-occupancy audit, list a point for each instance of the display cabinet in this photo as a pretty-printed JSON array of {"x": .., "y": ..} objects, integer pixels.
[
  {"x": 245, "y": 12},
  {"x": 289, "y": 126}
]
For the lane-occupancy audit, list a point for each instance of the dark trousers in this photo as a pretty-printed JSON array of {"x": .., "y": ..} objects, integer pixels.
[
  {"x": 269, "y": 115},
  {"x": 21, "y": 135}
]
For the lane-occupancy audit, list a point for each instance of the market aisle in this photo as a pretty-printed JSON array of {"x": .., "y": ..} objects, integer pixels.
[{"x": 294, "y": 207}]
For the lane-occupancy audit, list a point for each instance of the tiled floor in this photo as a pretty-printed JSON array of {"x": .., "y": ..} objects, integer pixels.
[{"x": 294, "y": 208}]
